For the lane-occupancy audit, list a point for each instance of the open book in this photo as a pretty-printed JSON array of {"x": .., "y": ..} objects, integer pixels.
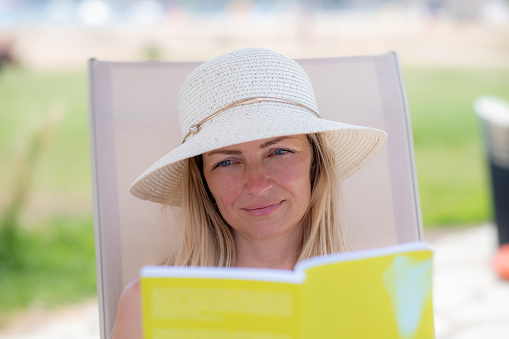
[{"x": 379, "y": 293}]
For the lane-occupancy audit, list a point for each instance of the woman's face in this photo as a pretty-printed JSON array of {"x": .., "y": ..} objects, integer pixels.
[{"x": 262, "y": 188}]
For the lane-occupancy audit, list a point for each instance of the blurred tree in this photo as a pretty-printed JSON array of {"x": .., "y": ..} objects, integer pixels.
[{"x": 11, "y": 249}]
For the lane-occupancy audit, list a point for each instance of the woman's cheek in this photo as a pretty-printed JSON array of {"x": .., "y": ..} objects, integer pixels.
[
  {"x": 225, "y": 188},
  {"x": 288, "y": 170}
]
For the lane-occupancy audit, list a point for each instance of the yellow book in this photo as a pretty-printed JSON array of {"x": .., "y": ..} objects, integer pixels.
[{"x": 379, "y": 293}]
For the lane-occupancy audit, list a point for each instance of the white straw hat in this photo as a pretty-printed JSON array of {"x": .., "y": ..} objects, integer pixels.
[{"x": 245, "y": 95}]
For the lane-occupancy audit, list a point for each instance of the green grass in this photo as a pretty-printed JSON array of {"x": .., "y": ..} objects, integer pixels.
[
  {"x": 448, "y": 144},
  {"x": 58, "y": 266},
  {"x": 449, "y": 149},
  {"x": 54, "y": 259},
  {"x": 57, "y": 248},
  {"x": 27, "y": 98}
]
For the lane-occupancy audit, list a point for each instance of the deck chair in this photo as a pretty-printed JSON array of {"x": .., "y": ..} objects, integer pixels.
[{"x": 134, "y": 121}]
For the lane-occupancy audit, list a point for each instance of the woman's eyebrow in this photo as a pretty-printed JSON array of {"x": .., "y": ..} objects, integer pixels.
[
  {"x": 237, "y": 152},
  {"x": 273, "y": 141},
  {"x": 227, "y": 152}
]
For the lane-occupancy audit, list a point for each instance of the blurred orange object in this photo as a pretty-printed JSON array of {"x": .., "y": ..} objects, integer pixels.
[{"x": 501, "y": 262}]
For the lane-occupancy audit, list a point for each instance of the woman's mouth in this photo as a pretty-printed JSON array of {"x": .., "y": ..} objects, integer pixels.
[{"x": 263, "y": 210}]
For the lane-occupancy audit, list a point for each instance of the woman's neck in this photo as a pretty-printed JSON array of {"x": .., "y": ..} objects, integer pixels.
[{"x": 278, "y": 253}]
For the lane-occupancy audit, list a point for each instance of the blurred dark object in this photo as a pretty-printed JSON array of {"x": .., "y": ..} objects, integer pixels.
[
  {"x": 7, "y": 53},
  {"x": 494, "y": 113},
  {"x": 500, "y": 189}
]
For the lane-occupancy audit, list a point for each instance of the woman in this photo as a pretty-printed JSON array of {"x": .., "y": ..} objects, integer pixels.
[{"x": 257, "y": 173}]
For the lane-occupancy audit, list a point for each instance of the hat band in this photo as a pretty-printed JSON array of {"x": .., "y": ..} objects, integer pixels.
[{"x": 194, "y": 129}]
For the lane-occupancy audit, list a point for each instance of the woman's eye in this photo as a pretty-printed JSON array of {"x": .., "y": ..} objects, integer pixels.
[
  {"x": 223, "y": 163},
  {"x": 280, "y": 151}
]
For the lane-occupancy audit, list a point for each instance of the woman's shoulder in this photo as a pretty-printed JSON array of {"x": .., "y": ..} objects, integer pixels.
[
  {"x": 131, "y": 293},
  {"x": 132, "y": 287},
  {"x": 128, "y": 323}
]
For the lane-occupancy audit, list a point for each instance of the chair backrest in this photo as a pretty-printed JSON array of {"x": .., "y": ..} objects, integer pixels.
[{"x": 134, "y": 121}]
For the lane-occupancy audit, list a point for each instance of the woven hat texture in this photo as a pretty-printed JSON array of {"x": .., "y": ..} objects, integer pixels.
[{"x": 243, "y": 74}]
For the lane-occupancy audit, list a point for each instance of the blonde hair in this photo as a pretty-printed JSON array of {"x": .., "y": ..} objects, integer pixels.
[{"x": 207, "y": 239}]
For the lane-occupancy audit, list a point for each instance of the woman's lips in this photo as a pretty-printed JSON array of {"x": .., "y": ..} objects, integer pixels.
[{"x": 263, "y": 210}]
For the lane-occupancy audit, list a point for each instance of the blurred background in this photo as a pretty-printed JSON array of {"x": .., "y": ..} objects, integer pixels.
[{"x": 451, "y": 52}]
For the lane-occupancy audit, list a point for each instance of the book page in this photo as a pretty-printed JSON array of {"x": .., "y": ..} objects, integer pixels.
[
  {"x": 385, "y": 296},
  {"x": 211, "y": 305}
]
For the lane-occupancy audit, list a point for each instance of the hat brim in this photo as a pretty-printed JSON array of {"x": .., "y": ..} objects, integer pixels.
[{"x": 353, "y": 145}]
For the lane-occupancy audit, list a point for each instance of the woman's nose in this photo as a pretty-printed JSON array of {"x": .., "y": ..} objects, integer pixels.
[{"x": 257, "y": 180}]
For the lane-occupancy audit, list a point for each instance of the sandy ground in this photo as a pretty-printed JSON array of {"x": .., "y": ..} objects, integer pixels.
[
  {"x": 80, "y": 321},
  {"x": 470, "y": 301},
  {"x": 418, "y": 40}
]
